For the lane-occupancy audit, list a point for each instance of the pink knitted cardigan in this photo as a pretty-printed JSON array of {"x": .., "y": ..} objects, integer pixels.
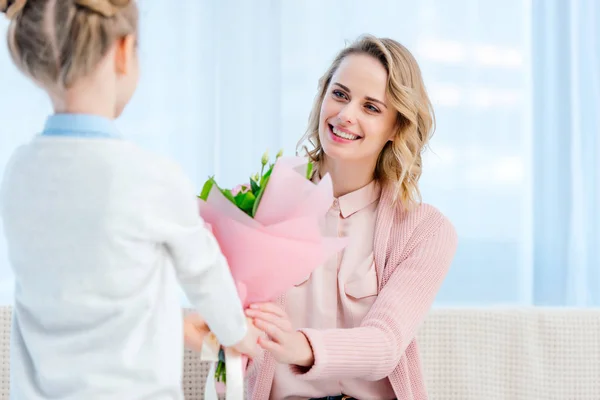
[{"x": 413, "y": 251}]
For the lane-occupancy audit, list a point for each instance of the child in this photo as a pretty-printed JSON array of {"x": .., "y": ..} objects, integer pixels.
[{"x": 95, "y": 225}]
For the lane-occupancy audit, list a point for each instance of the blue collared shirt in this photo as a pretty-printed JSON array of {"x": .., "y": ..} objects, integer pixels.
[{"x": 80, "y": 125}]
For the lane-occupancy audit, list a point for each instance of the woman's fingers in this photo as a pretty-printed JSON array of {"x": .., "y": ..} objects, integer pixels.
[
  {"x": 271, "y": 346},
  {"x": 273, "y": 331},
  {"x": 281, "y": 323},
  {"x": 270, "y": 308}
]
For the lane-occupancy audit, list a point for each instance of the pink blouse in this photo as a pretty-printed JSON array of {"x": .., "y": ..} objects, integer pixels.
[{"x": 338, "y": 295}]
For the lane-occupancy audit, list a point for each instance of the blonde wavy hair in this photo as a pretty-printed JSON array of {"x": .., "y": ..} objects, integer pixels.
[
  {"x": 399, "y": 163},
  {"x": 56, "y": 42}
]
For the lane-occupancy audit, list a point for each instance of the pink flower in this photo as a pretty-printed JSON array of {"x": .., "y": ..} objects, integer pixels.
[{"x": 240, "y": 188}]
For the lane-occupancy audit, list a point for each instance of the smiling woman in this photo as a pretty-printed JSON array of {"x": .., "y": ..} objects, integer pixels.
[
  {"x": 348, "y": 330},
  {"x": 373, "y": 97},
  {"x": 354, "y": 126}
]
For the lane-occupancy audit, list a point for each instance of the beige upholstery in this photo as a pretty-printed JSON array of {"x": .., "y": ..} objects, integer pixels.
[
  {"x": 512, "y": 354},
  {"x": 5, "y": 317},
  {"x": 528, "y": 354}
]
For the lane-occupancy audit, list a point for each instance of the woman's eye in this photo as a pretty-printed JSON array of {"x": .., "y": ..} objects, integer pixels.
[
  {"x": 372, "y": 108},
  {"x": 339, "y": 94}
]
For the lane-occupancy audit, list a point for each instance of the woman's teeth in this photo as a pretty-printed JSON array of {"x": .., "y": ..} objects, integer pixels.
[{"x": 344, "y": 135}]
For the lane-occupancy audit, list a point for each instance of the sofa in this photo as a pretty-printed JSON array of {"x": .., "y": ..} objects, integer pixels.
[{"x": 471, "y": 354}]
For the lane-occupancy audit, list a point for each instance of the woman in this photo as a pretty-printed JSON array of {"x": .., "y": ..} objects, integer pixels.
[{"x": 348, "y": 331}]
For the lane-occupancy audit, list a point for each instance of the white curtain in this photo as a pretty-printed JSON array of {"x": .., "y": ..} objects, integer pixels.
[
  {"x": 224, "y": 81},
  {"x": 566, "y": 157}
]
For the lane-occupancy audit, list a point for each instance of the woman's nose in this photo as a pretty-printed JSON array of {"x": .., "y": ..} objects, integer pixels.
[{"x": 347, "y": 114}]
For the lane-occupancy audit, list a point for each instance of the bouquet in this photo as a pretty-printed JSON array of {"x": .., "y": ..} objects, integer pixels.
[
  {"x": 247, "y": 196},
  {"x": 269, "y": 231}
]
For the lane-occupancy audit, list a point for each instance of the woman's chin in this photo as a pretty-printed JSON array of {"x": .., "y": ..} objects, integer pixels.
[{"x": 335, "y": 152}]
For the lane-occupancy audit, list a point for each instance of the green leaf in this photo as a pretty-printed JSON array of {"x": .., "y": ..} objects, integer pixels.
[
  {"x": 206, "y": 188},
  {"x": 265, "y": 177},
  {"x": 245, "y": 201},
  {"x": 254, "y": 187},
  {"x": 227, "y": 193},
  {"x": 263, "y": 185},
  {"x": 309, "y": 170},
  {"x": 257, "y": 202}
]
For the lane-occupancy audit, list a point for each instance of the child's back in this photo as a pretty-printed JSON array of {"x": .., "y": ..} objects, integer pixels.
[
  {"x": 96, "y": 302},
  {"x": 98, "y": 230}
]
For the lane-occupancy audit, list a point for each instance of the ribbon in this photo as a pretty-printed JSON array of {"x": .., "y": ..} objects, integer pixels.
[{"x": 235, "y": 371}]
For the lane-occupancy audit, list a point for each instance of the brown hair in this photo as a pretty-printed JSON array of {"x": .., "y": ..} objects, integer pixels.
[
  {"x": 57, "y": 42},
  {"x": 399, "y": 162}
]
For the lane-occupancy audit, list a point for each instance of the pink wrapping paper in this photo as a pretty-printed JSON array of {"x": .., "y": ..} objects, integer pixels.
[{"x": 283, "y": 244}]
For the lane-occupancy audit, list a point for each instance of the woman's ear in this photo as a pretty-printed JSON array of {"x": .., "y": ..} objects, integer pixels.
[
  {"x": 392, "y": 135},
  {"x": 125, "y": 54}
]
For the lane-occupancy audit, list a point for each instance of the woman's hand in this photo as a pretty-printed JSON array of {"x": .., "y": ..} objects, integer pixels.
[
  {"x": 287, "y": 345},
  {"x": 194, "y": 331}
]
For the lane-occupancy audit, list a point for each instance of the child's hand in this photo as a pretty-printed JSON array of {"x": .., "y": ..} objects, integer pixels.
[
  {"x": 194, "y": 331},
  {"x": 249, "y": 344}
]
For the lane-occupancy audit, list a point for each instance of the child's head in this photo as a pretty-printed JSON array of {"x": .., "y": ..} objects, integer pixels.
[
  {"x": 372, "y": 110},
  {"x": 82, "y": 52}
]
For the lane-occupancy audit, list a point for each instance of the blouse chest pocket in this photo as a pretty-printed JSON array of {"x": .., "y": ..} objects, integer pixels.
[
  {"x": 362, "y": 284},
  {"x": 302, "y": 280},
  {"x": 361, "y": 289}
]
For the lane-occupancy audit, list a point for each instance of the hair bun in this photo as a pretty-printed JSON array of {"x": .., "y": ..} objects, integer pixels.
[
  {"x": 12, "y": 7},
  {"x": 106, "y": 8}
]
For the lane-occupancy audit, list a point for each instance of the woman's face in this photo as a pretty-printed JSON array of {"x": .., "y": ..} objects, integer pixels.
[{"x": 356, "y": 118}]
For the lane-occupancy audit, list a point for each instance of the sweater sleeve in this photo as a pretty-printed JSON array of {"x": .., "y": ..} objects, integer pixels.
[
  {"x": 372, "y": 350},
  {"x": 201, "y": 268}
]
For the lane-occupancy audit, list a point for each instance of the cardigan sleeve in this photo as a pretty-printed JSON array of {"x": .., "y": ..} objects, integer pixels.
[{"x": 372, "y": 350}]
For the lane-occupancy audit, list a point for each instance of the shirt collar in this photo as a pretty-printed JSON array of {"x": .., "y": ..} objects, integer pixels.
[
  {"x": 80, "y": 125},
  {"x": 357, "y": 200}
]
